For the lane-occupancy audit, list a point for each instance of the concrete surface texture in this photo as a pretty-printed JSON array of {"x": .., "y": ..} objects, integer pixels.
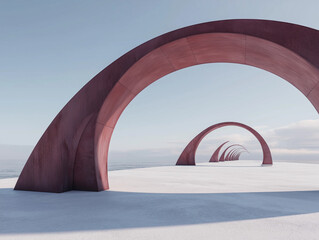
[
  {"x": 72, "y": 152},
  {"x": 186, "y": 202}
]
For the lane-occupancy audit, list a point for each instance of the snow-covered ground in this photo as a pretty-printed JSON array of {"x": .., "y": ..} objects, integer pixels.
[{"x": 230, "y": 200}]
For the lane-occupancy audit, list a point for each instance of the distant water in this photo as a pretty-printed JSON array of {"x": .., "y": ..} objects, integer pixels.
[{"x": 12, "y": 168}]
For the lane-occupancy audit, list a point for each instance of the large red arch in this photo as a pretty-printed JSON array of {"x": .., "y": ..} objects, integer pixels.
[{"x": 72, "y": 152}]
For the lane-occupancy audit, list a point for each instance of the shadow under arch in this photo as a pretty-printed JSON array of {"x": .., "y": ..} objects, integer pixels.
[
  {"x": 72, "y": 152},
  {"x": 187, "y": 157}
]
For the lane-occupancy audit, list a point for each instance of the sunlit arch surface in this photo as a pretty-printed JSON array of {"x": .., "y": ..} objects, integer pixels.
[{"x": 72, "y": 152}]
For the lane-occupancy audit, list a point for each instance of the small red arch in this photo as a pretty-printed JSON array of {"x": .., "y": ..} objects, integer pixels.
[
  {"x": 235, "y": 155},
  {"x": 223, "y": 156},
  {"x": 214, "y": 157},
  {"x": 230, "y": 154},
  {"x": 187, "y": 157}
]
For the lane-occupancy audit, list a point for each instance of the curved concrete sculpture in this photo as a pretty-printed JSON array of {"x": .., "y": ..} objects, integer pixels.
[
  {"x": 231, "y": 153},
  {"x": 238, "y": 155},
  {"x": 224, "y": 156},
  {"x": 238, "y": 151},
  {"x": 235, "y": 155},
  {"x": 72, "y": 152},
  {"x": 214, "y": 157},
  {"x": 187, "y": 157},
  {"x": 227, "y": 158}
]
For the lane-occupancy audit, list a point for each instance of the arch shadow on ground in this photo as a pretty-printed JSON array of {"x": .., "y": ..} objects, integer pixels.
[{"x": 35, "y": 212}]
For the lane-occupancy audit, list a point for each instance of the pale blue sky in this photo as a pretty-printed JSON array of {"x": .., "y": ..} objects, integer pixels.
[{"x": 50, "y": 49}]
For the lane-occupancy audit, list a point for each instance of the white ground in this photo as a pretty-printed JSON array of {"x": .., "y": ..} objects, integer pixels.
[{"x": 231, "y": 200}]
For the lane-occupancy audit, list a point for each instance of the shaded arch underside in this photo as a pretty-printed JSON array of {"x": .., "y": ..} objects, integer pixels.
[{"x": 72, "y": 153}]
